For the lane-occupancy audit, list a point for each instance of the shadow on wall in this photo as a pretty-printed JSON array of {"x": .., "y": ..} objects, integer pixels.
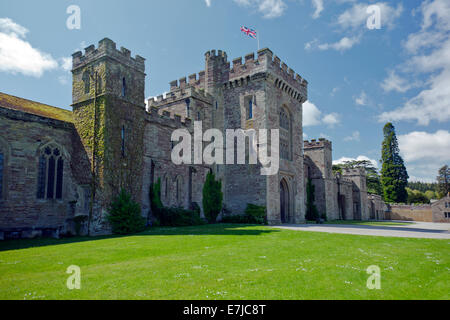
[{"x": 214, "y": 229}]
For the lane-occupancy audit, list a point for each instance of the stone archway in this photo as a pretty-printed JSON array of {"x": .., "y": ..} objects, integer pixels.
[{"x": 284, "y": 201}]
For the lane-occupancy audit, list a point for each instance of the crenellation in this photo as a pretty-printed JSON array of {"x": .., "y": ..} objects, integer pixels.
[
  {"x": 249, "y": 57},
  {"x": 321, "y": 143},
  {"x": 107, "y": 48}
]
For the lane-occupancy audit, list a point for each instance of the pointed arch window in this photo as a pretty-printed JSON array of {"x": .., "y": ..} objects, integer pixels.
[
  {"x": 124, "y": 87},
  {"x": 2, "y": 165},
  {"x": 50, "y": 173},
  {"x": 87, "y": 82},
  {"x": 250, "y": 109},
  {"x": 122, "y": 135},
  {"x": 285, "y": 134}
]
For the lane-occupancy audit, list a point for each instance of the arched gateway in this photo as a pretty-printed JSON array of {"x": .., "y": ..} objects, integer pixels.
[{"x": 284, "y": 201}]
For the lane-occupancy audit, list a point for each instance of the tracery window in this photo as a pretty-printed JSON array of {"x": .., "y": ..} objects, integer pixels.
[
  {"x": 285, "y": 134},
  {"x": 50, "y": 173},
  {"x": 2, "y": 165}
]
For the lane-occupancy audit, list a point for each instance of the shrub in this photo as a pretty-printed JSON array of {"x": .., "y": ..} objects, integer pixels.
[
  {"x": 311, "y": 210},
  {"x": 253, "y": 214},
  {"x": 155, "y": 201},
  {"x": 179, "y": 217},
  {"x": 212, "y": 197},
  {"x": 125, "y": 215}
]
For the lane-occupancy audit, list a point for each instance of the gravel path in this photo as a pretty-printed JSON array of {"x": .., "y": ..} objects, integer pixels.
[{"x": 410, "y": 230}]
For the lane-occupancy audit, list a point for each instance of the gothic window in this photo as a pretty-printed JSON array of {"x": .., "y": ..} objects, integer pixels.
[
  {"x": 124, "y": 87},
  {"x": 285, "y": 134},
  {"x": 123, "y": 141},
  {"x": 166, "y": 187},
  {"x": 87, "y": 82},
  {"x": 188, "y": 107},
  {"x": 179, "y": 189},
  {"x": 199, "y": 116},
  {"x": 1, "y": 173},
  {"x": 50, "y": 173},
  {"x": 250, "y": 109}
]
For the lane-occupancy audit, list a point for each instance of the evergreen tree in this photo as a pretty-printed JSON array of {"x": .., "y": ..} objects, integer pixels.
[
  {"x": 212, "y": 197},
  {"x": 311, "y": 210},
  {"x": 443, "y": 179},
  {"x": 125, "y": 215},
  {"x": 372, "y": 176},
  {"x": 394, "y": 177}
]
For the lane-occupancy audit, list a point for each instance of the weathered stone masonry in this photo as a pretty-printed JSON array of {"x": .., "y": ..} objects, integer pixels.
[{"x": 110, "y": 141}]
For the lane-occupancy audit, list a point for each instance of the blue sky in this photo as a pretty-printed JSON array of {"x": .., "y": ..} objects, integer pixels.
[{"x": 359, "y": 78}]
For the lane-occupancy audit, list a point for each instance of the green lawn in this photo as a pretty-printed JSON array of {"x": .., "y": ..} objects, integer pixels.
[
  {"x": 366, "y": 223},
  {"x": 226, "y": 262}
]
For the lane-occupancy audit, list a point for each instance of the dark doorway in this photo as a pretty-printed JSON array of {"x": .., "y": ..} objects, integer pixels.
[{"x": 284, "y": 201}]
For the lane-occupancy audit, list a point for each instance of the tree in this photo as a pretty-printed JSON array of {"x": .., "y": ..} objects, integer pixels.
[
  {"x": 155, "y": 200},
  {"x": 443, "y": 180},
  {"x": 416, "y": 197},
  {"x": 212, "y": 197},
  {"x": 394, "y": 177},
  {"x": 372, "y": 176},
  {"x": 311, "y": 210},
  {"x": 125, "y": 215}
]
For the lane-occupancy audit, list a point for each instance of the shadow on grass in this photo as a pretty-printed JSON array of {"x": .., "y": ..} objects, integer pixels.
[
  {"x": 210, "y": 229},
  {"x": 370, "y": 227}
]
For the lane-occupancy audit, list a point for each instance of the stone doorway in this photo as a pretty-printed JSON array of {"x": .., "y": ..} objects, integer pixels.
[{"x": 284, "y": 201}]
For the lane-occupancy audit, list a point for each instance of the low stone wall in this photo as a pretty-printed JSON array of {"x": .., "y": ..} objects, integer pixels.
[{"x": 410, "y": 212}]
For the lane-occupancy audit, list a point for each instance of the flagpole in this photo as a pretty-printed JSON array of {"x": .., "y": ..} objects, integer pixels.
[{"x": 257, "y": 37}]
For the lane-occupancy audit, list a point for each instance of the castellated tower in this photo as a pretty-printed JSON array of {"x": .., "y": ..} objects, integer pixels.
[
  {"x": 318, "y": 155},
  {"x": 263, "y": 93},
  {"x": 108, "y": 107},
  {"x": 257, "y": 92},
  {"x": 360, "y": 200}
]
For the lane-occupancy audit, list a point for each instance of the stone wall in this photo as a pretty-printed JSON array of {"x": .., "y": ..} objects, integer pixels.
[
  {"x": 21, "y": 213},
  {"x": 409, "y": 212},
  {"x": 441, "y": 210}
]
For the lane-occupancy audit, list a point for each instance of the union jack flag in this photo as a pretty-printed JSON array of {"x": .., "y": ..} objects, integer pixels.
[{"x": 249, "y": 32}]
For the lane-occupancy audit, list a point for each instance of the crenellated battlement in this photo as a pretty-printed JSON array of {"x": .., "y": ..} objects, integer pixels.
[
  {"x": 181, "y": 94},
  {"x": 167, "y": 119},
  {"x": 321, "y": 143},
  {"x": 221, "y": 55},
  {"x": 354, "y": 171},
  {"x": 107, "y": 48},
  {"x": 194, "y": 80}
]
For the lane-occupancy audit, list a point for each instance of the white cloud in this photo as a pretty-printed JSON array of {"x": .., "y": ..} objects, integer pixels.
[
  {"x": 17, "y": 55},
  {"x": 424, "y": 153},
  {"x": 354, "y": 137},
  {"x": 66, "y": 63},
  {"x": 396, "y": 83},
  {"x": 356, "y": 16},
  {"x": 344, "y": 44},
  {"x": 208, "y": 3},
  {"x": 430, "y": 49},
  {"x": 361, "y": 100},
  {"x": 331, "y": 119},
  {"x": 268, "y": 8},
  {"x": 312, "y": 116},
  {"x": 358, "y": 158},
  {"x": 318, "y": 6},
  {"x": 419, "y": 145}
]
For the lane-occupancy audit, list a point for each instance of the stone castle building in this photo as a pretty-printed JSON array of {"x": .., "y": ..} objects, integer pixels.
[{"x": 56, "y": 164}]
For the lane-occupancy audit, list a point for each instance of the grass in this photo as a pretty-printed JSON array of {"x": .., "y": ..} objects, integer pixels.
[
  {"x": 365, "y": 223},
  {"x": 225, "y": 262}
]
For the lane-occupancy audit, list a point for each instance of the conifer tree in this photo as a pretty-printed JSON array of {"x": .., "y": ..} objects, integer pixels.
[
  {"x": 394, "y": 177},
  {"x": 212, "y": 197}
]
